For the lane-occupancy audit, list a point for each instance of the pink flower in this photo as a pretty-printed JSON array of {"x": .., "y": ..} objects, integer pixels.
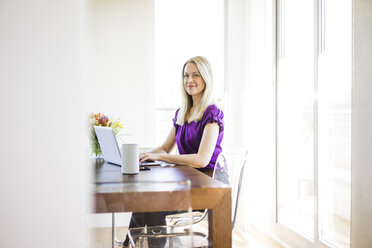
[{"x": 103, "y": 120}]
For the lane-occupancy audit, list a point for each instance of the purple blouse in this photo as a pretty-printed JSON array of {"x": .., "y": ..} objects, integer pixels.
[{"x": 189, "y": 135}]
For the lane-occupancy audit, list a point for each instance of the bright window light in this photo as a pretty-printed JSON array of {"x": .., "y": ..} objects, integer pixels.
[{"x": 183, "y": 29}]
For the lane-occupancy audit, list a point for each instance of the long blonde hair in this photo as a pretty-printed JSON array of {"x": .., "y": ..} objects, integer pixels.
[{"x": 207, "y": 98}]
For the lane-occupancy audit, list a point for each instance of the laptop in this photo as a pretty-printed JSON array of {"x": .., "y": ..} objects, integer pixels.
[
  {"x": 109, "y": 145},
  {"x": 110, "y": 149}
]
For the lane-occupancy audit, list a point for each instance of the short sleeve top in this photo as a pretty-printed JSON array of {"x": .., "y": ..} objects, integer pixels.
[{"x": 189, "y": 135}]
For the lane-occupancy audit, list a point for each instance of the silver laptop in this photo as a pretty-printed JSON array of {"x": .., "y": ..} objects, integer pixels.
[
  {"x": 110, "y": 149},
  {"x": 109, "y": 145}
]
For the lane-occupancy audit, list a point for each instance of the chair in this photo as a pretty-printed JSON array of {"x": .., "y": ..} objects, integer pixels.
[
  {"x": 234, "y": 178},
  {"x": 232, "y": 175},
  {"x": 169, "y": 235},
  {"x": 236, "y": 173}
]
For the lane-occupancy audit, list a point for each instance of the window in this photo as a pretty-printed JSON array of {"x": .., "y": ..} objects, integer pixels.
[
  {"x": 184, "y": 29},
  {"x": 334, "y": 123},
  {"x": 295, "y": 116},
  {"x": 314, "y": 120}
]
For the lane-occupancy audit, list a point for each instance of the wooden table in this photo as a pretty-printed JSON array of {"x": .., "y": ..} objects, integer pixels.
[{"x": 206, "y": 193}]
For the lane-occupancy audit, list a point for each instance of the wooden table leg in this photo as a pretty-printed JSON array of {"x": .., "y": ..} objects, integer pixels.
[{"x": 220, "y": 226}]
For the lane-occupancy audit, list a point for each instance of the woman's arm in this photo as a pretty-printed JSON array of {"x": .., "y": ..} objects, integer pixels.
[{"x": 197, "y": 160}]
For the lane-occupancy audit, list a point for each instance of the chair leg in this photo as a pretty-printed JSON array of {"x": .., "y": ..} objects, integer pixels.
[
  {"x": 112, "y": 230},
  {"x": 114, "y": 240},
  {"x": 113, "y": 227}
]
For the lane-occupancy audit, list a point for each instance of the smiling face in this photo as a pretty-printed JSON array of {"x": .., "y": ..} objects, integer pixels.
[{"x": 193, "y": 81}]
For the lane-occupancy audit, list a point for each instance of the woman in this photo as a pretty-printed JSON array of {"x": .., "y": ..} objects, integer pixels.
[
  {"x": 197, "y": 126},
  {"x": 197, "y": 130}
]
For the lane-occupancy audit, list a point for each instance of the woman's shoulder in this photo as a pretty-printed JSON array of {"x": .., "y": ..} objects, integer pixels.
[
  {"x": 213, "y": 114},
  {"x": 178, "y": 110},
  {"x": 213, "y": 109},
  {"x": 175, "y": 117}
]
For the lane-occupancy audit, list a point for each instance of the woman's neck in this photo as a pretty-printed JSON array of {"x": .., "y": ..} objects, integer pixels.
[
  {"x": 195, "y": 101},
  {"x": 194, "y": 106}
]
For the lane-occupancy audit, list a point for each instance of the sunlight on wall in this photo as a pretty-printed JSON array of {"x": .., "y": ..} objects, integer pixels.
[{"x": 118, "y": 63}]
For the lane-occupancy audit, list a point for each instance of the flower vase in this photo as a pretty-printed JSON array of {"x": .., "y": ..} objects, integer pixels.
[{"x": 96, "y": 150}]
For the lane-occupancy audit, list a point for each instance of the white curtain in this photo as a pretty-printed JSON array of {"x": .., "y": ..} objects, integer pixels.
[{"x": 250, "y": 98}]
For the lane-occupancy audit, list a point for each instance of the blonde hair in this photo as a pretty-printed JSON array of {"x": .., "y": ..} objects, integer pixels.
[{"x": 207, "y": 99}]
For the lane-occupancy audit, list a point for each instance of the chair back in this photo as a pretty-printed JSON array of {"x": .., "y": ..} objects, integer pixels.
[
  {"x": 229, "y": 169},
  {"x": 220, "y": 171}
]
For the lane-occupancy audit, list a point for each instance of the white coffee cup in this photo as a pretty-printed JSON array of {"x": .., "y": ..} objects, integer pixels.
[{"x": 130, "y": 159}]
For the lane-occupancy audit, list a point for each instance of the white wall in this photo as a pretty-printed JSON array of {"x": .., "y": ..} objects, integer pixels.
[
  {"x": 43, "y": 174},
  {"x": 118, "y": 63},
  {"x": 361, "y": 156}
]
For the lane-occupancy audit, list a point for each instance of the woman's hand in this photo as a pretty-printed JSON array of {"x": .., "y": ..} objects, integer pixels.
[{"x": 148, "y": 157}]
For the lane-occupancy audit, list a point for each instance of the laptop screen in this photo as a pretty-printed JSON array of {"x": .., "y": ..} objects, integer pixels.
[{"x": 109, "y": 146}]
